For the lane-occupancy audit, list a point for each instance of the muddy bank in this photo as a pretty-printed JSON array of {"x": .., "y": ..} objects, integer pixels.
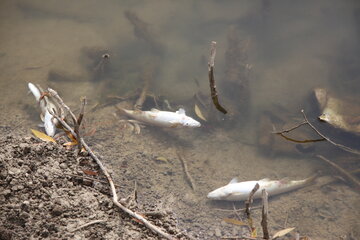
[{"x": 44, "y": 195}]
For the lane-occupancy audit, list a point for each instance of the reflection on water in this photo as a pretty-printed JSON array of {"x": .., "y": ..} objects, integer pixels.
[{"x": 270, "y": 57}]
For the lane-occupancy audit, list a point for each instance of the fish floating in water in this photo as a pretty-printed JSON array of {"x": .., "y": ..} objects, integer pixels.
[
  {"x": 237, "y": 191},
  {"x": 159, "y": 118},
  {"x": 46, "y": 106}
]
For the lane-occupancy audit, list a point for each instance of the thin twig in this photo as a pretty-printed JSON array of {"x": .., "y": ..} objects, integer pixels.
[
  {"x": 87, "y": 224},
  {"x": 250, "y": 200},
  {"x": 291, "y": 129},
  {"x": 345, "y": 148},
  {"x": 301, "y": 141},
  {"x": 265, "y": 212},
  {"x": 147, "y": 75},
  {"x": 187, "y": 174},
  {"x": 211, "y": 65},
  {"x": 238, "y": 210},
  {"x": 346, "y": 174},
  {"x": 248, "y": 204},
  {"x": 115, "y": 198},
  {"x": 76, "y": 132}
]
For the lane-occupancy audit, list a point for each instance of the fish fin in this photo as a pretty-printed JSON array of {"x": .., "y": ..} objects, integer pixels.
[
  {"x": 155, "y": 110},
  {"x": 181, "y": 111},
  {"x": 234, "y": 180}
]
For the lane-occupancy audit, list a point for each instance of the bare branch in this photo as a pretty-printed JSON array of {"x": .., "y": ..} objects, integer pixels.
[
  {"x": 213, "y": 91},
  {"x": 346, "y": 174},
  {"x": 345, "y": 148},
  {"x": 265, "y": 212}
]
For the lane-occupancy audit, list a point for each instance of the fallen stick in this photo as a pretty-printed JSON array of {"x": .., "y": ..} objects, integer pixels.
[
  {"x": 187, "y": 174},
  {"x": 345, "y": 148},
  {"x": 265, "y": 212},
  {"x": 346, "y": 174},
  {"x": 87, "y": 224},
  {"x": 147, "y": 75},
  {"x": 211, "y": 64},
  {"x": 248, "y": 204},
  {"x": 115, "y": 198}
]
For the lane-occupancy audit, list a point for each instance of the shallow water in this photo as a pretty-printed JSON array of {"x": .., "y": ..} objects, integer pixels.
[{"x": 288, "y": 50}]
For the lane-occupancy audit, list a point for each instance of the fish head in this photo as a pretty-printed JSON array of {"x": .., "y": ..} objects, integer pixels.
[
  {"x": 190, "y": 122},
  {"x": 219, "y": 194}
]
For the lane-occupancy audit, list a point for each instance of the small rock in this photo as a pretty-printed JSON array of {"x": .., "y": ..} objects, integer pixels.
[
  {"x": 217, "y": 232},
  {"x": 63, "y": 165},
  {"x": 57, "y": 210}
]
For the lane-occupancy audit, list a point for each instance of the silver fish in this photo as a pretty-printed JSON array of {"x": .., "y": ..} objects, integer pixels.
[
  {"x": 162, "y": 118},
  {"x": 237, "y": 191},
  {"x": 47, "y": 107}
]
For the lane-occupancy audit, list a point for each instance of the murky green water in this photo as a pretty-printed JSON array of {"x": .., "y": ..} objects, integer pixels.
[{"x": 282, "y": 51}]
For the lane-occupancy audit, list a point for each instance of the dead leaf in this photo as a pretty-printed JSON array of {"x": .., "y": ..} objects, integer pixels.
[
  {"x": 254, "y": 233},
  {"x": 235, "y": 221},
  {"x": 70, "y": 144},
  {"x": 283, "y": 232},
  {"x": 89, "y": 172},
  {"x": 42, "y": 136},
  {"x": 162, "y": 159},
  {"x": 199, "y": 113}
]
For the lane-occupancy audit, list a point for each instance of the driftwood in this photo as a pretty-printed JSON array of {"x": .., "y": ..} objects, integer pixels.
[
  {"x": 265, "y": 212},
  {"x": 142, "y": 32},
  {"x": 211, "y": 64},
  {"x": 115, "y": 198}
]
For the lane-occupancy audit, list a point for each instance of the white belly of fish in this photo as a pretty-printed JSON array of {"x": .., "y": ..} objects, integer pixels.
[
  {"x": 163, "y": 118},
  {"x": 238, "y": 191}
]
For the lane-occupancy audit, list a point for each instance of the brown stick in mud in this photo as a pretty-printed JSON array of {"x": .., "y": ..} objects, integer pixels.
[
  {"x": 115, "y": 198},
  {"x": 187, "y": 174},
  {"x": 248, "y": 204},
  {"x": 147, "y": 75},
  {"x": 265, "y": 212},
  {"x": 211, "y": 64}
]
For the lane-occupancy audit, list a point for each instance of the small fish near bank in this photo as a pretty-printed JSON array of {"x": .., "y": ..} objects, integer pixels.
[
  {"x": 47, "y": 107},
  {"x": 159, "y": 118},
  {"x": 238, "y": 191}
]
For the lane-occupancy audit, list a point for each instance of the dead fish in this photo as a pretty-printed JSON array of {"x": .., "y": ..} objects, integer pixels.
[
  {"x": 337, "y": 112},
  {"x": 238, "y": 191},
  {"x": 47, "y": 107},
  {"x": 159, "y": 118}
]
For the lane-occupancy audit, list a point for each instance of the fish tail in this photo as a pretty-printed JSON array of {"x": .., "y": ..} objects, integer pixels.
[
  {"x": 121, "y": 111},
  {"x": 310, "y": 180},
  {"x": 35, "y": 91}
]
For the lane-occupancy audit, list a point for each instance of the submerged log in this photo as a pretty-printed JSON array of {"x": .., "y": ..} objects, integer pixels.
[{"x": 235, "y": 85}]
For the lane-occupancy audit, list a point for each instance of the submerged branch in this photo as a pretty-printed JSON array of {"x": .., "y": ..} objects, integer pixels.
[
  {"x": 211, "y": 64},
  {"x": 345, "y": 148},
  {"x": 345, "y": 173}
]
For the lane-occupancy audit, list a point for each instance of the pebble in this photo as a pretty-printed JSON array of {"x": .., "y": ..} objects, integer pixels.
[
  {"x": 217, "y": 232},
  {"x": 63, "y": 165}
]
